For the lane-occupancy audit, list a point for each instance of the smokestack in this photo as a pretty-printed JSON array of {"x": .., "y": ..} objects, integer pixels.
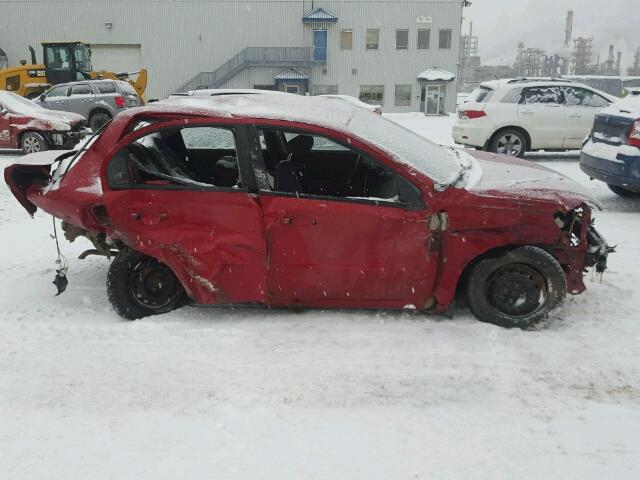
[
  {"x": 619, "y": 63},
  {"x": 470, "y": 29},
  {"x": 568, "y": 33},
  {"x": 611, "y": 49}
]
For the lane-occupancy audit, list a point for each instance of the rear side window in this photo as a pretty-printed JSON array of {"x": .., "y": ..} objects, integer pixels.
[
  {"x": 81, "y": 90},
  {"x": 192, "y": 157},
  {"x": 57, "y": 92},
  {"x": 480, "y": 94},
  {"x": 513, "y": 96},
  {"x": 542, "y": 95},
  {"x": 127, "y": 88},
  {"x": 106, "y": 87},
  {"x": 582, "y": 97}
]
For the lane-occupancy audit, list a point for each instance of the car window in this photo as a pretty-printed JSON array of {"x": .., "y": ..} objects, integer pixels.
[
  {"x": 582, "y": 97},
  {"x": 480, "y": 94},
  {"x": 313, "y": 165},
  {"x": 58, "y": 92},
  {"x": 320, "y": 143},
  {"x": 189, "y": 156},
  {"x": 542, "y": 95},
  {"x": 512, "y": 96},
  {"x": 106, "y": 87},
  {"x": 81, "y": 90},
  {"x": 207, "y": 138}
]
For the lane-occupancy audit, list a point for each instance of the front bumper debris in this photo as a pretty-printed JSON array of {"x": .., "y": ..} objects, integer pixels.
[{"x": 598, "y": 250}]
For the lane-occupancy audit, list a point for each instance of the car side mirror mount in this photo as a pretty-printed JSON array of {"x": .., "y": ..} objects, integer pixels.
[{"x": 42, "y": 97}]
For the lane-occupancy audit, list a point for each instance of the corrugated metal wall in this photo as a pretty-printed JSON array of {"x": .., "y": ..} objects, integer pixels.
[{"x": 180, "y": 38}]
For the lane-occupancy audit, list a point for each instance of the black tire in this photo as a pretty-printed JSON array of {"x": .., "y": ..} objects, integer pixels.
[
  {"x": 139, "y": 286},
  {"x": 33, "y": 142},
  {"x": 98, "y": 119},
  {"x": 516, "y": 289},
  {"x": 623, "y": 192},
  {"x": 510, "y": 142}
]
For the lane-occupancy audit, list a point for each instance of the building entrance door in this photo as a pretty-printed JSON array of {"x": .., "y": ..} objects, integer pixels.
[
  {"x": 320, "y": 45},
  {"x": 435, "y": 100}
]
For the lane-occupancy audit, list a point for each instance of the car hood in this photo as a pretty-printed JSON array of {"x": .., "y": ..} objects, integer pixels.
[
  {"x": 514, "y": 178},
  {"x": 57, "y": 116}
]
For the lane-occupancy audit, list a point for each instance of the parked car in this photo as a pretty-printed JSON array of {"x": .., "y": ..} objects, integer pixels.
[
  {"x": 96, "y": 100},
  {"x": 612, "y": 152},
  {"x": 31, "y": 128},
  {"x": 518, "y": 115},
  {"x": 358, "y": 103},
  {"x": 293, "y": 201}
]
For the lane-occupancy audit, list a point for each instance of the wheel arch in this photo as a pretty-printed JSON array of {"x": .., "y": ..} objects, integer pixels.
[{"x": 99, "y": 109}]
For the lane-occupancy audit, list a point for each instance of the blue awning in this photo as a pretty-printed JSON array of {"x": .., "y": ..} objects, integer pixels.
[
  {"x": 319, "y": 16},
  {"x": 291, "y": 74}
]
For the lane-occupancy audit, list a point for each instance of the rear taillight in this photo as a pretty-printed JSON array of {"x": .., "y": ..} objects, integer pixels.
[
  {"x": 471, "y": 114},
  {"x": 634, "y": 134},
  {"x": 120, "y": 102}
]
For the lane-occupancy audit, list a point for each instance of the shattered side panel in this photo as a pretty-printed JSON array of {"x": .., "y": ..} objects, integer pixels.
[{"x": 212, "y": 240}]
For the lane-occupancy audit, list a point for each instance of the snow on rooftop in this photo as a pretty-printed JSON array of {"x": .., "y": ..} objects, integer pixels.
[{"x": 435, "y": 74}]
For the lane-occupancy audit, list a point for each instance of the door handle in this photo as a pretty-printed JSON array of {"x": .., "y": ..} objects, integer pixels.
[
  {"x": 286, "y": 221},
  {"x": 527, "y": 112},
  {"x": 134, "y": 216},
  {"x": 576, "y": 115},
  {"x": 163, "y": 216}
]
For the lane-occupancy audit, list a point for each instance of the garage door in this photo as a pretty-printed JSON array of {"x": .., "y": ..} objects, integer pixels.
[{"x": 116, "y": 58}]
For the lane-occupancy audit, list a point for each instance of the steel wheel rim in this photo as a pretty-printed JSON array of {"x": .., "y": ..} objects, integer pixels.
[
  {"x": 31, "y": 145},
  {"x": 517, "y": 290},
  {"x": 509, "y": 144},
  {"x": 152, "y": 285}
]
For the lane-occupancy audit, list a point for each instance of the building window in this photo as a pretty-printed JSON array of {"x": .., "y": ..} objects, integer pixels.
[
  {"x": 372, "y": 94},
  {"x": 402, "y": 39},
  {"x": 346, "y": 39},
  {"x": 373, "y": 39},
  {"x": 403, "y": 96},
  {"x": 265, "y": 87},
  {"x": 424, "y": 38},
  {"x": 325, "y": 89},
  {"x": 445, "y": 38}
]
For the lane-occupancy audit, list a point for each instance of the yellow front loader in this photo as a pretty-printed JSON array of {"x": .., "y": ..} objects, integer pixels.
[{"x": 62, "y": 62}]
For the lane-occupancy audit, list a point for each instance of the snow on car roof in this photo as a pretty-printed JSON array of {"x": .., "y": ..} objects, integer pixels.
[{"x": 404, "y": 145}]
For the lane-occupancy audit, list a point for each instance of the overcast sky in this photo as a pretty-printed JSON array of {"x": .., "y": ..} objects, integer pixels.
[{"x": 541, "y": 23}]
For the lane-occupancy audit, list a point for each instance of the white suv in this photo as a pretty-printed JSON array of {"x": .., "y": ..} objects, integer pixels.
[{"x": 518, "y": 115}]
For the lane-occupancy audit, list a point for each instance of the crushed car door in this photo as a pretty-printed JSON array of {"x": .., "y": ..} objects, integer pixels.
[
  {"x": 206, "y": 230},
  {"x": 366, "y": 249}
]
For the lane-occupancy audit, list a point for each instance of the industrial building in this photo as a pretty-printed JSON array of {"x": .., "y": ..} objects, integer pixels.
[{"x": 375, "y": 50}]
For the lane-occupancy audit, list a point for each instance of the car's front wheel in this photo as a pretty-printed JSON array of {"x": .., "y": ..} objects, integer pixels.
[
  {"x": 98, "y": 119},
  {"x": 510, "y": 142},
  {"x": 516, "y": 289},
  {"x": 139, "y": 286},
  {"x": 623, "y": 192},
  {"x": 33, "y": 142}
]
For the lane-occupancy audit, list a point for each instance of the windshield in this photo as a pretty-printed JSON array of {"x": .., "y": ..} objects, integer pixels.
[
  {"x": 405, "y": 145},
  {"x": 17, "y": 104}
]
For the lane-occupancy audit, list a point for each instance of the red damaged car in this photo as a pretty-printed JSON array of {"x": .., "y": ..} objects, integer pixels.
[
  {"x": 28, "y": 126},
  {"x": 292, "y": 201}
]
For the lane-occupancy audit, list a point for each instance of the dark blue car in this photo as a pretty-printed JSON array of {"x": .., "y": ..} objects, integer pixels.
[{"x": 612, "y": 151}]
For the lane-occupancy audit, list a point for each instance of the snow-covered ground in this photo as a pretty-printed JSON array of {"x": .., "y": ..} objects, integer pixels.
[{"x": 248, "y": 393}]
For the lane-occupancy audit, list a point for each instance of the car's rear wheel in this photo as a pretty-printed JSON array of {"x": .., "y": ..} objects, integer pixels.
[
  {"x": 516, "y": 289},
  {"x": 139, "y": 286},
  {"x": 98, "y": 119},
  {"x": 623, "y": 192},
  {"x": 509, "y": 142},
  {"x": 33, "y": 142}
]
